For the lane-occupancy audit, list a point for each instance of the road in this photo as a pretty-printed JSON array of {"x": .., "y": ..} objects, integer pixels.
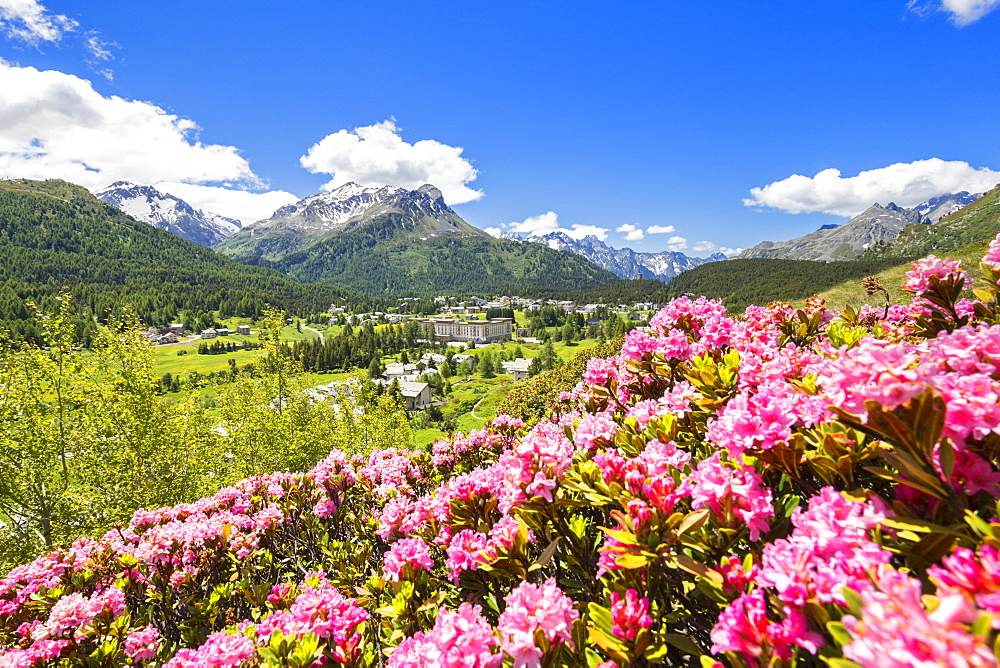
[{"x": 315, "y": 330}]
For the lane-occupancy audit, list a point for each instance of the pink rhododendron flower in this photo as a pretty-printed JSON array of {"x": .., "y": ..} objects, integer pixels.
[
  {"x": 459, "y": 639},
  {"x": 142, "y": 644},
  {"x": 464, "y": 552},
  {"x": 829, "y": 550},
  {"x": 735, "y": 494},
  {"x": 896, "y": 630},
  {"x": 220, "y": 649},
  {"x": 412, "y": 552},
  {"x": 595, "y": 429},
  {"x": 921, "y": 271},
  {"x": 992, "y": 256},
  {"x": 744, "y": 628},
  {"x": 532, "y": 608},
  {"x": 629, "y": 614},
  {"x": 976, "y": 576}
]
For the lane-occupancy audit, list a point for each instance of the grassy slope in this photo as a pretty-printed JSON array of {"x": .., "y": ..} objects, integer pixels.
[
  {"x": 962, "y": 235},
  {"x": 851, "y": 292}
]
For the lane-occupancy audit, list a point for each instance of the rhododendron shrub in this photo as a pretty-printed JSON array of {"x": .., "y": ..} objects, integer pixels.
[{"x": 783, "y": 486}]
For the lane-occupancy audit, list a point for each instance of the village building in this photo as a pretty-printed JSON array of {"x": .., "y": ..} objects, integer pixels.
[
  {"x": 518, "y": 367},
  {"x": 209, "y": 333},
  {"x": 416, "y": 395},
  {"x": 480, "y": 331},
  {"x": 243, "y": 329}
]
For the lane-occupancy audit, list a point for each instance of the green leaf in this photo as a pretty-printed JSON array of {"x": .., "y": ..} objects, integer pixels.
[
  {"x": 682, "y": 643},
  {"x": 631, "y": 560},
  {"x": 600, "y": 616},
  {"x": 694, "y": 520},
  {"x": 839, "y": 632},
  {"x": 853, "y": 600}
]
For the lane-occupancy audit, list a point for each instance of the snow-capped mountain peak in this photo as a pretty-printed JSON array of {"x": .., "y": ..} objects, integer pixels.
[
  {"x": 332, "y": 210},
  {"x": 937, "y": 208},
  {"x": 168, "y": 212},
  {"x": 625, "y": 262}
]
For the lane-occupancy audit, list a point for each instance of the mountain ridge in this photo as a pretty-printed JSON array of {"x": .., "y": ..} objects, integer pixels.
[
  {"x": 625, "y": 263},
  {"x": 391, "y": 240},
  {"x": 168, "y": 212}
]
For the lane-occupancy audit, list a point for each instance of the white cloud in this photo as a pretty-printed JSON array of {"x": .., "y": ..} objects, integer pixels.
[
  {"x": 677, "y": 243},
  {"x": 906, "y": 184},
  {"x": 375, "y": 155},
  {"x": 963, "y": 12},
  {"x": 29, "y": 21},
  {"x": 536, "y": 225},
  {"x": 712, "y": 247},
  {"x": 632, "y": 232},
  {"x": 581, "y": 231},
  {"x": 494, "y": 231},
  {"x": 245, "y": 206},
  {"x": 97, "y": 47},
  {"x": 660, "y": 229},
  {"x": 54, "y": 125},
  {"x": 549, "y": 222}
]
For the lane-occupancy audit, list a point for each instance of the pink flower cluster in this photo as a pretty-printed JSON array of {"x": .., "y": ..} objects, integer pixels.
[
  {"x": 735, "y": 494},
  {"x": 459, "y": 639},
  {"x": 897, "y": 630},
  {"x": 535, "y": 610},
  {"x": 918, "y": 278}
]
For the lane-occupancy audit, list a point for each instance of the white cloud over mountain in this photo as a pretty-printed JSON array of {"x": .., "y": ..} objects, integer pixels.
[
  {"x": 660, "y": 229},
  {"x": 549, "y": 222},
  {"x": 712, "y": 247},
  {"x": 906, "y": 184},
  {"x": 247, "y": 207},
  {"x": 676, "y": 243},
  {"x": 55, "y": 125},
  {"x": 962, "y": 12},
  {"x": 535, "y": 225},
  {"x": 375, "y": 155},
  {"x": 632, "y": 233},
  {"x": 29, "y": 21}
]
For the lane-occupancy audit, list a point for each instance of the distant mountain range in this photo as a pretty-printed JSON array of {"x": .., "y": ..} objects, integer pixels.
[
  {"x": 876, "y": 227},
  {"x": 167, "y": 212},
  {"x": 394, "y": 241},
  {"x": 624, "y": 262}
]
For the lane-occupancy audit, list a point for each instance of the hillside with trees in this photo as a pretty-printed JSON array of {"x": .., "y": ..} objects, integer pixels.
[
  {"x": 56, "y": 236},
  {"x": 739, "y": 283}
]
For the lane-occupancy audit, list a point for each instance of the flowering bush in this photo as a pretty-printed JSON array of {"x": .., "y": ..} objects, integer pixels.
[{"x": 787, "y": 486}]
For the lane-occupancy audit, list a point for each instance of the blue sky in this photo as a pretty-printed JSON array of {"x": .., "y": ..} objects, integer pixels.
[{"x": 650, "y": 124}]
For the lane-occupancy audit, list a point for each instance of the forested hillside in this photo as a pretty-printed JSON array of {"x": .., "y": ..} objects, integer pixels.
[
  {"x": 383, "y": 257},
  {"x": 55, "y": 236},
  {"x": 738, "y": 283}
]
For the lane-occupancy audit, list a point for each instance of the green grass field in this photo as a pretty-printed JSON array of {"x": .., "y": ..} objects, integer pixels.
[{"x": 168, "y": 361}]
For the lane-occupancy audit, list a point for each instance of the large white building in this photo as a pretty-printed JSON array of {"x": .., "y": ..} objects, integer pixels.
[{"x": 448, "y": 328}]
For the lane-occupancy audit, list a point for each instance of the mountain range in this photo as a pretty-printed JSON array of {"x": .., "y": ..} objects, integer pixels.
[
  {"x": 167, "y": 212},
  {"x": 393, "y": 241},
  {"x": 876, "y": 227},
  {"x": 318, "y": 216},
  {"x": 56, "y": 236},
  {"x": 622, "y": 262}
]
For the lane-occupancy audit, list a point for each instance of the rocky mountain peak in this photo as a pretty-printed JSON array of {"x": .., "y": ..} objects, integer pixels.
[
  {"x": 168, "y": 212},
  {"x": 625, "y": 262}
]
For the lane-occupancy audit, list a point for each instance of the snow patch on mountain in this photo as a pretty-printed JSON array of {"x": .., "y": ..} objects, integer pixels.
[
  {"x": 168, "y": 212},
  {"x": 624, "y": 262}
]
